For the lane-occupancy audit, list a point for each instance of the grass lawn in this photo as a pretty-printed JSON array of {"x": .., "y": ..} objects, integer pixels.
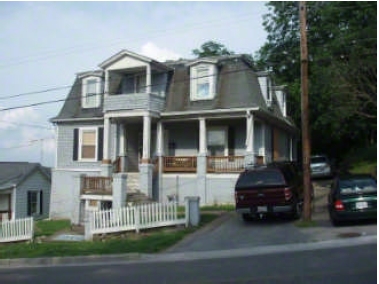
[
  {"x": 147, "y": 241},
  {"x": 363, "y": 161},
  {"x": 48, "y": 228}
]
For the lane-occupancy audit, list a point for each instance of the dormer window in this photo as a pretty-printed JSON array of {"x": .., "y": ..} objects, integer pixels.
[
  {"x": 203, "y": 82},
  {"x": 91, "y": 91}
]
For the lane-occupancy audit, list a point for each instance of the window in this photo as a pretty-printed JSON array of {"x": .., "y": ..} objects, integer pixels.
[
  {"x": 87, "y": 149},
  {"x": 91, "y": 90},
  {"x": 88, "y": 144},
  {"x": 217, "y": 141},
  {"x": 203, "y": 78},
  {"x": 35, "y": 203},
  {"x": 133, "y": 84}
]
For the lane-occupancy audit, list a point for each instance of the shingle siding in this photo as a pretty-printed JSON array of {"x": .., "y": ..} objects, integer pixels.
[
  {"x": 65, "y": 145},
  {"x": 35, "y": 182}
]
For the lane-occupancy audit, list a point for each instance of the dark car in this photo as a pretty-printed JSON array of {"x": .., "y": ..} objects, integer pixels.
[
  {"x": 352, "y": 197},
  {"x": 267, "y": 190}
]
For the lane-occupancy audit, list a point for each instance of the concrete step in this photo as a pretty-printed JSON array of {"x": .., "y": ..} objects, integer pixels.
[
  {"x": 133, "y": 198},
  {"x": 132, "y": 182}
]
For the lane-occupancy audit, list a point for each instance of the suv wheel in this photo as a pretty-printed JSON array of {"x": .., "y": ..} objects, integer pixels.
[{"x": 296, "y": 211}]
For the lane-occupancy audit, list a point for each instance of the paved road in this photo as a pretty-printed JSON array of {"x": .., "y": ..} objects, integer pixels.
[
  {"x": 232, "y": 233},
  {"x": 340, "y": 264}
]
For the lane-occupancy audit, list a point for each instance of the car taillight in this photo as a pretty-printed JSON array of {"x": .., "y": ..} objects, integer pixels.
[
  {"x": 287, "y": 194},
  {"x": 338, "y": 205}
]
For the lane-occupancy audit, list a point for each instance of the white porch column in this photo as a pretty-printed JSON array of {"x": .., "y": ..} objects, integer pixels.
[
  {"x": 122, "y": 147},
  {"x": 249, "y": 157},
  {"x": 160, "y": 139},
  {"x": 13, "y": 203},
  {"x": 263, "y": 137},
  {"x": 106, "y": 150},
  {"x": 202, "y": 161},
  {"x": 106, "y": 83},
  {"x": 148, "y": 79},
  {"x": 202, "y": 137},
  {"x": 146, "y": 139},
  {"x": 122, "y": 138},
  {"x": 106, "y": 167}
]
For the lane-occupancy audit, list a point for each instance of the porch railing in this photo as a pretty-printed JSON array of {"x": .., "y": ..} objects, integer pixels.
[
  {"x": 96, "y": 185},
  {"x": 225, "y": 164},
  {"x": 180, "y": 164},
  {"x": 215, "y": 164}
]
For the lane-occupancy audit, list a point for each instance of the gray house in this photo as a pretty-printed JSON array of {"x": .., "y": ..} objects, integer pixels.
[
  {"x": 24, "y": 190},
  {"x": 166, "y": 130}
]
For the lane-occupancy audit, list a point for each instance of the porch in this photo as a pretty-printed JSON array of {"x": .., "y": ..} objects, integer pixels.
[{"x": 5, "y": 206}]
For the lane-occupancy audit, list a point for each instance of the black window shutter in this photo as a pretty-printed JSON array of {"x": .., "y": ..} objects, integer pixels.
[
  {"x": 29, "y": 208},
  {"x": 76, "y": 145},
  {"x": 100, "y": 138},
  {"x": 41, "y": 202},
  {"x": 231, "y": 141}
]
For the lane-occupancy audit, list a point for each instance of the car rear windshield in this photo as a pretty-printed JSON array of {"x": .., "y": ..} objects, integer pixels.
[
  {"x": 260, "y": 179},
  {"x": 318, "y": 160},
  {"x": 357, "y": 186}
]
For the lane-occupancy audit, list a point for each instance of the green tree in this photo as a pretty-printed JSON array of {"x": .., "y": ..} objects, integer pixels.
[
  {"x": 342, "y": 68},
  {"x": 211, "y": 48}
]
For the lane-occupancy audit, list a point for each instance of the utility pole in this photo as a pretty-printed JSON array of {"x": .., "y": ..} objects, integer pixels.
[{"x": 307, "y": 214}]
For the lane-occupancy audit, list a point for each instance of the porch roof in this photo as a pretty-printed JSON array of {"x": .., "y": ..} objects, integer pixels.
[{"x": 13, "y": 173}]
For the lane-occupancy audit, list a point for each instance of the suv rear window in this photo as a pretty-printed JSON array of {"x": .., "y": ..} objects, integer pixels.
[
  {"x": 260, "y": 178},
  {"x": 318, "y": 160}
]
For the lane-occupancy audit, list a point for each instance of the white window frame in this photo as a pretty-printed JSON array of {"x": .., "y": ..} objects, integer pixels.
[
  {"x": 84, "y": 91},
  {"x": 80, "y": 144},
  {"x": 212, "y": 77},
  {"x": 225, "y": 130}
]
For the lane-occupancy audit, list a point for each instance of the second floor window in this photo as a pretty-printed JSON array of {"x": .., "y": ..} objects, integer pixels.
[
  {"x": 203, "y": 78},
  {"x": 88, "y": 138},
  {"x": 133, "y": 84},
  {"x": 91, "y": 90}
]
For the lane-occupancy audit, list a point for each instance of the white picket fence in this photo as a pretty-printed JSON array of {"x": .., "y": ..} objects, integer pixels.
[
  {"x": 16, "y": 230},
  {"x": 133, "y": 218}
]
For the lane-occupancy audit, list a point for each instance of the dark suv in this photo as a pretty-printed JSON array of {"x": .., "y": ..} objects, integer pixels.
[{"x": 271, "y": 189}]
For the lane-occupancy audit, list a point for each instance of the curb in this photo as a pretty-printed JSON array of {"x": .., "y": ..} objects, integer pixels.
[
  {"x": 69, "y": 260},
  {"x": 105, "y": 260}
]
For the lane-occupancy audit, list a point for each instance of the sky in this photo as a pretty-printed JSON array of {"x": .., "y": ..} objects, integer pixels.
[{"x": 43, "y": 45}]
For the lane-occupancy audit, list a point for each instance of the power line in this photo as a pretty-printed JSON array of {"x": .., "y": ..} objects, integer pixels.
[
  {"x": 26, "y": 124},
  {"x": 5, "y": 97},
  {"x": 79, "y": 97},
  {"x": 35, "y": 92},
  {"x": 29, "y": 143},
  {"x": 71, "y": 50}
]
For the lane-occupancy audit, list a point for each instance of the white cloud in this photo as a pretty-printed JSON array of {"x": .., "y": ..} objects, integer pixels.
[
  {"x": 161, "y": 54},
  {"x": 10, "y": 118}
]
